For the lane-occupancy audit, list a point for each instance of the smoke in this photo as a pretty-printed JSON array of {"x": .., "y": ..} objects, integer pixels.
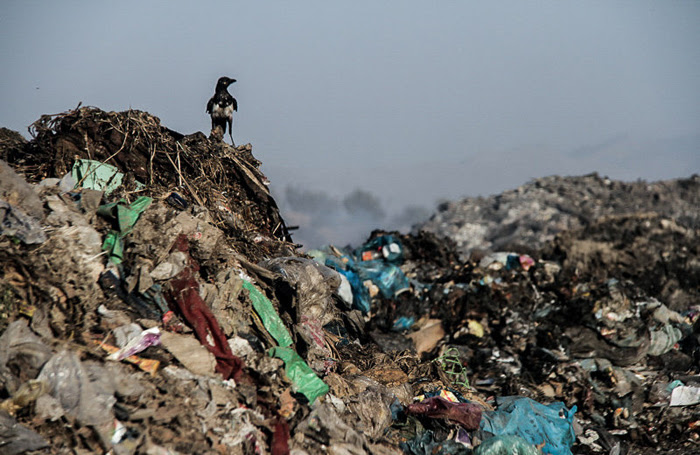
[
  {"x": 363, "y": 204},
  {"x": 341, "y": 221}
]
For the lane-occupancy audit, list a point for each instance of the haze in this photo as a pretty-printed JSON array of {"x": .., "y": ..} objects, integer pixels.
[{"x": 365, "y": 114}]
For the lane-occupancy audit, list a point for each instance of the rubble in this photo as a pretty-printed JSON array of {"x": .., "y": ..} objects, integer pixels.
[{"x": 162, "y": 307}]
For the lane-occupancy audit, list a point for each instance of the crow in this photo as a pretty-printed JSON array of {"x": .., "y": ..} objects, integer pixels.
[{"x": 221, "y": 107}]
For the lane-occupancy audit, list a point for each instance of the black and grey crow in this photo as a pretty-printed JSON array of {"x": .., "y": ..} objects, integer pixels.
[{"x": 221, "y": 107}]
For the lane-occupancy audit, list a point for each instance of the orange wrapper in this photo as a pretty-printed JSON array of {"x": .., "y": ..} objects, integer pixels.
[{"x": 150, "y": 366}]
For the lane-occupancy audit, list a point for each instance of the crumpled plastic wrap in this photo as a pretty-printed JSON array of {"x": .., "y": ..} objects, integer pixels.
[
  {"x": 314, "y": 283},
  {"x": 536, "y": 423},
  {"x": 76, "y": 389}
]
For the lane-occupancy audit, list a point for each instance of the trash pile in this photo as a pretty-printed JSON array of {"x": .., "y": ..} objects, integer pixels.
[
  {"x": 532, "y": 214},
  {"x": 152, "y": 301}
]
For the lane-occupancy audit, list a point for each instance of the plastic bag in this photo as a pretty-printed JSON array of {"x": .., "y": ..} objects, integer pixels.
[
  {"x": 360, "y": 296},
  {"x": 536, "y": 423},
  {"x": 21, "y": 349},
  {"x": 271, "y": 320},
  {"x": 17, "y": 439},
  {"x": 124, "y": 217},
  {"x": 386, "y": 247},
  {"x": 15, "y": 223},
  {"x": 302, "y": 376},
  {"x": 77, "y": 390},
  {"x": 426, "y": 444},
  {"x": 506, "y": 445},
  {"x": 389, "y": 278},
  {"x": 314, "y": 282}
]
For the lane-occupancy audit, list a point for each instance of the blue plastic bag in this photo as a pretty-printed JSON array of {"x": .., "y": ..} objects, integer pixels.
[
  {"x": 360, "y": 295},
  {"x": 386, "y": 247},
  {"x": 387, "y": 277},
  {"x": 534, "y": 422}
]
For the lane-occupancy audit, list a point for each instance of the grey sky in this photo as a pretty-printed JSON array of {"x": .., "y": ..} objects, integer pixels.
[{"x": 411, "y": 101}]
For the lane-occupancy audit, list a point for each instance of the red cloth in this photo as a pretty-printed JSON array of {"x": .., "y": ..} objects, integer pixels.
[
  {"x": 280, "y": 438},
  {"x": 183, "y": 296},
  {"x": 466, "y": 414}
]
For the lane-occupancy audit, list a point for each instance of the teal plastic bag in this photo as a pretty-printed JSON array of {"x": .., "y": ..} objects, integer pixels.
[
  {"x": 300, "y": 373},
  {"x": 389, "y": 278},
  {"x": 534, "y": 422},
  {"x": 386, "y": 247},
  {"x": 99, "y": 176},
  {"x": 506, "y": 445},
  {"x": 96, "y": 175}
]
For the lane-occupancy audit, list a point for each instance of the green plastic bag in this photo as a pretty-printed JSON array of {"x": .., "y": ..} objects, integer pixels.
[
  {"x": 271, "y": 320},
  {"x": 300, "y": 373},
  {"x": 99, "y": 176},
  {"x": 125, "y": 217}
]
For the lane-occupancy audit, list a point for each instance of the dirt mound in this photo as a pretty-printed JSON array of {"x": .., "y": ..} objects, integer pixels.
[{"x": 532, "y": 214}]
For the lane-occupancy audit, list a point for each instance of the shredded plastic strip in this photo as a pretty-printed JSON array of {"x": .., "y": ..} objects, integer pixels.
[
  {"x": 268, "y": 314},
  {"x": 300, "y": 373}
]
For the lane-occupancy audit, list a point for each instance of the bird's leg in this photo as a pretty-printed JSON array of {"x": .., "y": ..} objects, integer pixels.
[{"x": 230, "y": 132}]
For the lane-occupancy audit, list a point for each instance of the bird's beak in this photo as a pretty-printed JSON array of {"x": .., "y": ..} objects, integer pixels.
[{"x": 232, "y": 80}]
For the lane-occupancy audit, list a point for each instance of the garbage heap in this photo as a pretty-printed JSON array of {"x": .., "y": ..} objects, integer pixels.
[
  {"x": 152, "y": 301},
  {"x": 531, "y": 215}
]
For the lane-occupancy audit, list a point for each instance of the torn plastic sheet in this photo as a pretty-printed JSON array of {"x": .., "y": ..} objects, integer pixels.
[
  {"x": 16, "y": 439},
  {"x": 664, "y": 339},
  {"x": 536, "y": 423},
  {"x": 75, "y": 388},
  {"x": 506, "y": 445},
  {"x": 124, "y": 218},
  {"x": 684, "y": 395},
  {"x": 268, "y": 314},
  {"x": 184, "y": 295},
  {"x": 15, "y": 223},
  {"x": 147, "y": 305},
  {"x": 314, "y": 283},
  {"x": 302, "y": 376},
  {"x": 99, "y": 176}
]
